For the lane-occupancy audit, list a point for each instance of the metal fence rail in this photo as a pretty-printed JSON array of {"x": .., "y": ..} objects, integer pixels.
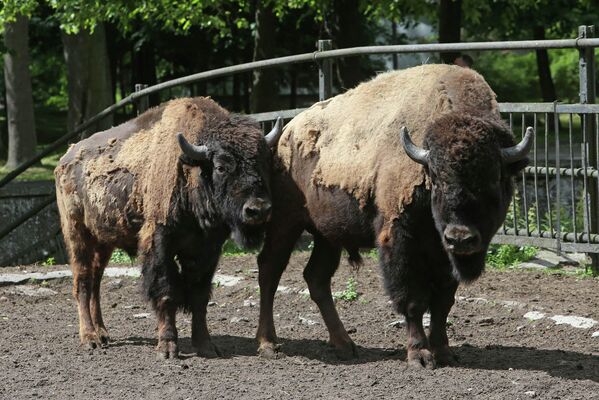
[{"x": 555, "y": 205}]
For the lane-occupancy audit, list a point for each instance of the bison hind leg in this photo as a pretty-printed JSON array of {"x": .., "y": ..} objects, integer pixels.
[
  {"x": 88, "y": 259},
  {"x": 101, "y": 257},
  {"x": 321, "y": 267}
]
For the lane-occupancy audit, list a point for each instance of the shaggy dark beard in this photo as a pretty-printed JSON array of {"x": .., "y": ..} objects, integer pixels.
[
  {"x": 467, "y": 268},
  {"x": 249, "y": 237}
]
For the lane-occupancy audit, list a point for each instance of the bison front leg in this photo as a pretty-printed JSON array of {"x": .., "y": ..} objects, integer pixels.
[
  {"x": 442, "y": 300},
  {"x": 406, "y": 280},
  {"x": 161, "y": 282},
  {"x": 198, "y": 283}
]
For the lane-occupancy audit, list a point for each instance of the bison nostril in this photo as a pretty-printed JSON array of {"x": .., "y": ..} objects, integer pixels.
[
  {"x": 257, "y": 210},
  {"x": 461, "y": 237}
]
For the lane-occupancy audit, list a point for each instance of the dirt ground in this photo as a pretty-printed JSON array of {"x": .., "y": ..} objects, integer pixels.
[{"x": 502, "y": 354}]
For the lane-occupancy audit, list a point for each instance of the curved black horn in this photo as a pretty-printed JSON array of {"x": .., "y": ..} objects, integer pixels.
[
  {"x": 519, "y": 151},
  {"x": 192, "y": 151},
  {"x": 273, "y": 136},
  {"x": 414, "y": 152}
]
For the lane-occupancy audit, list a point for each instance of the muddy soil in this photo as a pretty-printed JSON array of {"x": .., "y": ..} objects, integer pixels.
[{"x": 502, "y": 354}]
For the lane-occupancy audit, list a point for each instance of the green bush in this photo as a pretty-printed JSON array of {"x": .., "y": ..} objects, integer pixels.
[{"x": 505, "y": 256}]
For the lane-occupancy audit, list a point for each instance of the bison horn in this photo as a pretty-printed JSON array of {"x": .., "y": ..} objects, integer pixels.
[
  {"x": 192, "y": 151},
  {"x": 520, "y": 151},
  {"x": 273, "y": 136},
  {"x": 414, "y": 152}
]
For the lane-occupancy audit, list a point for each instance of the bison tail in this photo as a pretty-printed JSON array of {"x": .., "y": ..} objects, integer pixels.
[{"x": 355, "y": 259}]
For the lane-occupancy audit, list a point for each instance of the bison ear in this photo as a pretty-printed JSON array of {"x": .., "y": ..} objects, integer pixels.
[
  {"x": 191, "y": 151},
  {"x": 273, "y": 136}
]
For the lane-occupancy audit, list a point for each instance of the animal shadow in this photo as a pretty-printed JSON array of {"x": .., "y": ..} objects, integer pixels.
[{"x": 558, "y": 363}]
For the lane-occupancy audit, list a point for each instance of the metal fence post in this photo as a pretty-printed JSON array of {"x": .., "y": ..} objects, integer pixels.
[
  {"x": 325, "y": 72},
  {"x": 586, "y": 70},
  {"x": 144, "y": 102}
]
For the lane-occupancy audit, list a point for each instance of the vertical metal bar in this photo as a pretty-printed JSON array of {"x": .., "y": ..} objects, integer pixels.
[
  {"x": 547, "y": 192},
  {"x": 587, "y": 211},
  {"x": 524, "y": 200},
  {"x": 558, "y": 202},
  {"x": 586, "y": 70},
  {"x": 572, "y": 190},
  {"x": 144, "y": 102},
  {"x": 325, "y": 72},
  {"x": 514, "y": 200},
  {"x": 536, "y": 178}
]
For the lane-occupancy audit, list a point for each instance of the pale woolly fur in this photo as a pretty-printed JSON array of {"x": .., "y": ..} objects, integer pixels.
[
  {"x": 355, "y": 135},
  {"x": 151, "y": 155}
]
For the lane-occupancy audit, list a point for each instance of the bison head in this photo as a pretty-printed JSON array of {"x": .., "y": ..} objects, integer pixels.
[
  {"x": 235, "y": 167},
  {"x": 470, "y": 163}
]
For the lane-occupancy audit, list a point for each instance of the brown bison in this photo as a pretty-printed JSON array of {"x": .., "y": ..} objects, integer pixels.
[
  {"x": 174, "y": 199},
  {"x": 345, "y": 172}
]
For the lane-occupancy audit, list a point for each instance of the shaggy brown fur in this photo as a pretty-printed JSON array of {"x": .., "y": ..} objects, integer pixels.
[{"x": 355, "y": 136}]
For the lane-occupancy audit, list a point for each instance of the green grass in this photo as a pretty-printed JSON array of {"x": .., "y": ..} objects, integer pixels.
[
  {"x": 506, "y": 256},
  {"x": 44, "y": 171},
  {"x": 120, "y": 257},
  {"x": 350, "y": 293}
]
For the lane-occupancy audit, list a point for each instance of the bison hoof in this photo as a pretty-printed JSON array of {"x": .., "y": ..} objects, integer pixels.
[
  {"x": 421, "y": 358},
  {"x": 89, "y": 341},
  {"x": 269, "y": 351},
  {"x": 103, "y": 337},
  {"x": 207, "y": 349},
  {"x": 444, "y": 356},
  {"x": 167, "y": 349},
  {"x": 346, "y": 351}
]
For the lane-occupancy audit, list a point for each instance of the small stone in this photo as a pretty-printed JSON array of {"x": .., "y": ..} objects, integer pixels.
[
  {"x": 352, "y": 330},
  {"x": 114, "y": 284},
  {"x": 236, "y": 320},
  {"x": 3, "y": 298},
  {"x": 595, "y": 334},
  {"x": 534, "y": 315},
  {"x": 249, "y": 303},
  {"x": 531, "y": 393},
  {"x": 397, "y": 323},
  {"x": 211, "y": 303},
  {"x": 307, "y": 321},
  {"x": 519, "y": 328},
  {"x": 141, "y": 315}
]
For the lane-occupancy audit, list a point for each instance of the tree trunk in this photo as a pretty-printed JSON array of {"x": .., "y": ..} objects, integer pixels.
[
  {"x": 350, "y": 31},
  {"x": 293, "y": 87},
  {"x": 144, "y": 69},
  {"x": 450, "y": 24},
  {"x": 88, "y": 78},
  {"x": 19, "y": 99},
  {"x": 265, "y": 90},
  {"x": 545, "y": 80}
]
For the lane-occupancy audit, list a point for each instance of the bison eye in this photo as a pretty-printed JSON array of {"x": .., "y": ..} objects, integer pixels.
[{"x": 220, "y": 169}]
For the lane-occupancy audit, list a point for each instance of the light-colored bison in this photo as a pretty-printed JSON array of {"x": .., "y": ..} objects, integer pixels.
[
  {"x": 347, "y": 172},
  {"x": 172, "y": 199}
]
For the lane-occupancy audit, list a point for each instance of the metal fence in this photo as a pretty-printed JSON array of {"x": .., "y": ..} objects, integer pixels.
[{"x": 556, "y": 202}]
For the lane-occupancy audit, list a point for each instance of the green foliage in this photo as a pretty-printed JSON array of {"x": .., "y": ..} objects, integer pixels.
[
  {"x": 120, "y": 257},
  {"x": 40, "y": 172},
  {"x": 231, "y": 249},
  {"x": 10, "y": 9},
  {"x": 49, "y": 261},
  {"x": 505, "y": 256},
  {"x": 350, "y": 293}
]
